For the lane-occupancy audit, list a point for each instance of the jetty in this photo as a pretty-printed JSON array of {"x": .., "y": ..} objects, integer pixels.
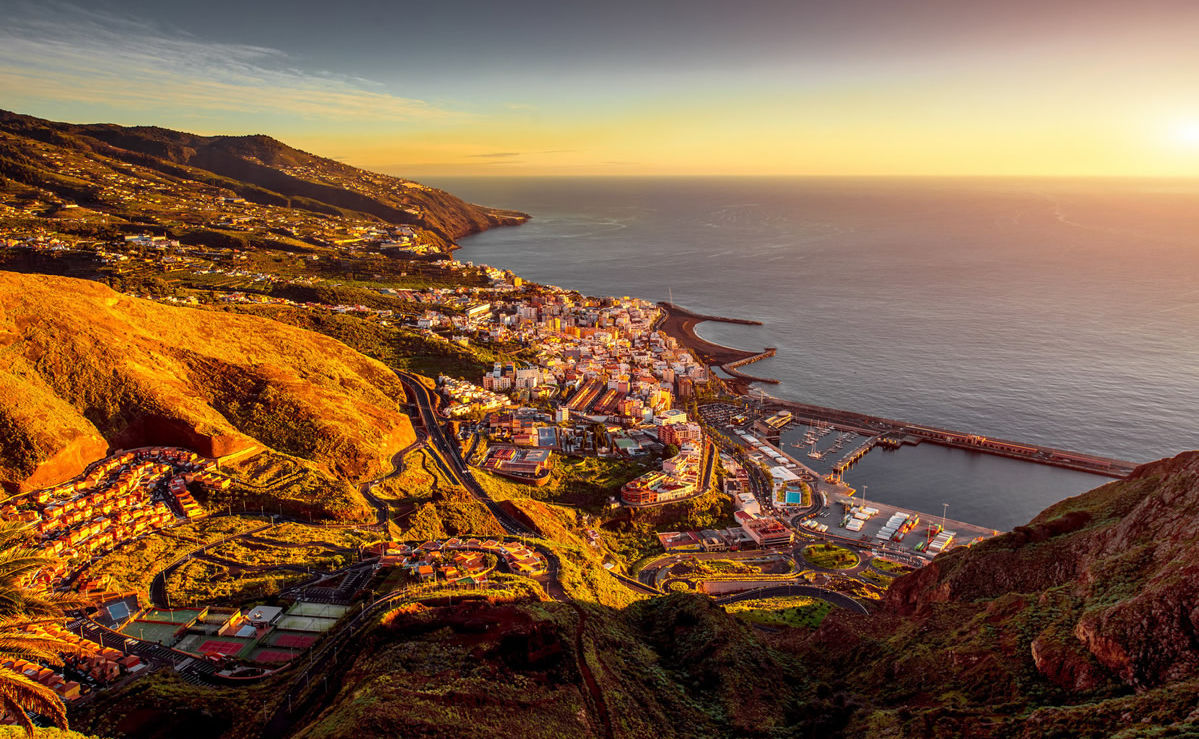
[{"x": 732, "y": 368}]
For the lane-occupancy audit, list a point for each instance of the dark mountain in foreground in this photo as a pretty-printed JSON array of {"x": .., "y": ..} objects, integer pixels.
[
  {"x": 62, "y": 158},
  {"x": 1082, "y": 623}
]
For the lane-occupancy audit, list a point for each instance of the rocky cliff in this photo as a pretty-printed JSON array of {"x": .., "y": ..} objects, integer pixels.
[{"x": 1088, "y": 612}]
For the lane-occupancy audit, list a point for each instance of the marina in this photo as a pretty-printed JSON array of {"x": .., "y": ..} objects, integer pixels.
[{"x": 844, "y": 513}]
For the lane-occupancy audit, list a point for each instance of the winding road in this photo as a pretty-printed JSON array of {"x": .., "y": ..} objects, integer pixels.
[
  {"x": 450, "y": 460},
  {"x": 811, "y": 591}
]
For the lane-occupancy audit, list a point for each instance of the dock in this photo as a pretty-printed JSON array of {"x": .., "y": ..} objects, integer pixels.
[
  {"x": 839, "y": 497},
  {"x": 848, "y": 460}
]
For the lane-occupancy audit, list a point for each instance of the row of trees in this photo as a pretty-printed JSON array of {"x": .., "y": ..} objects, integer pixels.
[{"x": 22, "y": 607}]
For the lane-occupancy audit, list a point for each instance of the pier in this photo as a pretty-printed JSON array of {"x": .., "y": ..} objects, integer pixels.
[
  {"x": 732, "y": 370},
  {"x": 847, "y": 461},
  {"x": 765, "y": 354}
]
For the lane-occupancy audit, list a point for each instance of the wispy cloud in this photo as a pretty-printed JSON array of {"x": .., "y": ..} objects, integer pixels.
[
  {"x": 64, "y": 52},
  {"x": 496, "y": 155}
]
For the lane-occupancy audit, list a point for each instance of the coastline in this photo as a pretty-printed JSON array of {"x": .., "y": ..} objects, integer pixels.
[{"x": 680, "y": 323}]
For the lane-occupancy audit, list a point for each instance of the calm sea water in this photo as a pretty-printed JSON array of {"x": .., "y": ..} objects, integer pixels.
[{"x": 1063, "y": 313}]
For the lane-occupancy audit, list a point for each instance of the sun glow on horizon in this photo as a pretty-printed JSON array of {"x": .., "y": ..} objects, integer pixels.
[
  {"x": 1186, "y": 134},
  {"x": 791, "y": 88}
]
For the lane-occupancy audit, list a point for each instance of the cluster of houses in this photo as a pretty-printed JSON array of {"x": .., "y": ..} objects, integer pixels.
[
  {"x": 603, "y": 352},
  {"x": 526, "y": 426},
  {"x": 505, "y": 377},
  {"x": 753, "y": 529},
  {"x": 456, "y": 560},
  {"x": 752, "y": 533},
  {"x": 113, "y": 502},
  {"x": 678, "y": 478},
  {"x": 468, "y": 398}
]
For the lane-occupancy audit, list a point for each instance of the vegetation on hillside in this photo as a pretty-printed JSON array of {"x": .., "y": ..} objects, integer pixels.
[
  {"x": 397, "y": 347},
  {"x": 795, "y": 611},
  {"x": 22, "y": 608},
  {"x": 83, "y": 362},
  {"x": 426, "y": 504}
]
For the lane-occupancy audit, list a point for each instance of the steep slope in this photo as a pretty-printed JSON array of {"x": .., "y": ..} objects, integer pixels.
[
  {"x": 85, "y": 368},
  {"x": 1090, "y": 611},
  {"x": 677, "y": 667}
]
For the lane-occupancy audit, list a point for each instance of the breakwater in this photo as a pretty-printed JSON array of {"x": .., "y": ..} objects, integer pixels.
[
  {"x": 877, "y": 427},
  {"x": 732, "y": 368}
]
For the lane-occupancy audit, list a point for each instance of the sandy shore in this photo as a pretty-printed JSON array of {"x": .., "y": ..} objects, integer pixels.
[{"x": 680, "y": 323}]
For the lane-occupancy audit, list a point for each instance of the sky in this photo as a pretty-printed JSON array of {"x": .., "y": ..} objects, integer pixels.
[{"x": 645, "y": 87}]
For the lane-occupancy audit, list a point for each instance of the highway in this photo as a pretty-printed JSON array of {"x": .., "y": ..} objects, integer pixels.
[{"x": 449, "y": 459}]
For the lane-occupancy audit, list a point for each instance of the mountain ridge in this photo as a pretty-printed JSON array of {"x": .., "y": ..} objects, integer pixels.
[{"x": 259, "y": 168}]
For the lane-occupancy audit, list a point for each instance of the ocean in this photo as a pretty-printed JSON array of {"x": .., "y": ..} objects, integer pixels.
[{"x": 1051, "y": 311}]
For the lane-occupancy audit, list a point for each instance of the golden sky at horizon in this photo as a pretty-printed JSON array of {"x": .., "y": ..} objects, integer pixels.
[{"x": 861, "y": 87}]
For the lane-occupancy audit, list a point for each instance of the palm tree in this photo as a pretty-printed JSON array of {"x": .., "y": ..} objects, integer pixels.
[{"x": 22, "y": 610}]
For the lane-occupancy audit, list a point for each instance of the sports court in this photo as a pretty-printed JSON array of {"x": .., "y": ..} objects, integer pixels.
[
  {"x": 272, "y": 655},
  {"x": 320, "y": 610},
  {"x": 226, "y": 647},
  {"x": 205, "y": 644},
  {"x": 160, "y": 633},
  {"x": 118, "y": 612},
  {"x": 180, "y": 616},
  {"x": 290, "y": 640},
  {"x": 305, "y": 623}
]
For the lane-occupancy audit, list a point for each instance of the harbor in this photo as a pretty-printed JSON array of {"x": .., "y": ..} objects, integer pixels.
[{"x": 841, "y": 512}]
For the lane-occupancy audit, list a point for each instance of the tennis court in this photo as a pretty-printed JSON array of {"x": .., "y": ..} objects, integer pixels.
[
  {"x": 291, "y": 641},
  {"x": 181, "y": 616},
  {"x": 320, "y": 610},
  {"x": 221, "y": 646},
  {"x": 272, "y": 655},
  {"x": 305, "y": 623},
  {"x": 163, "y": 634}
]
